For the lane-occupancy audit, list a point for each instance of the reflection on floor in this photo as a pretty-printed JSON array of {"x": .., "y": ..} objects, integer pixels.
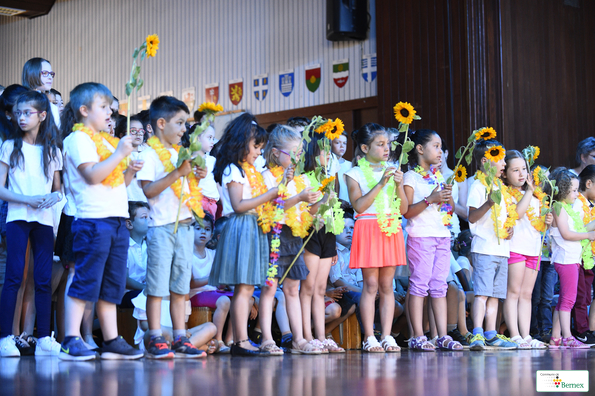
[{"x": 353, "y": 373}]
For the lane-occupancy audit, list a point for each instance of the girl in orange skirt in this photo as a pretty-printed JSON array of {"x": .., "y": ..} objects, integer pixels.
[{"x": 377, "y": 196}]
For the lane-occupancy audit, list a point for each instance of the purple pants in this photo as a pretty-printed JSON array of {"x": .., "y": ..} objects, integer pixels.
[
  {"x": 583, "y": 300},
  {"x": 429, "y": 263},
  {"x": 568, "y": 274}
]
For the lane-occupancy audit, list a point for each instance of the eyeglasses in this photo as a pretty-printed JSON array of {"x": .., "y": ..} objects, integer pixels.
[
  {"x": 26, "y": 113},
  {"x": 138, "y": 132},
  {"x": 284, "y": 152},
  {"x": 45, "y": 73}
]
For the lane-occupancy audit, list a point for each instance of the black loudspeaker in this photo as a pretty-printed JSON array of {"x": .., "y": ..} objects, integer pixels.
[{"x": 346, "y": 20}]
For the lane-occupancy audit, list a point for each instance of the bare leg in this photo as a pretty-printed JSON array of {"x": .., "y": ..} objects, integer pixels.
[
  {"x": 202, "y": 334},
  {"x": 387, "y": 299},
  {"x": 294, "y": 308},
  {"x": 240, "y": 310},
  {"x": 439, "y": 308},
  {"x": 223, "y": 303},
  {"x": 154, "y": 312},
  {"x": 525, "y": 301},
  {"x": 491, "y": 313},
  {"x": 265, "y": 311},
  {"x": 516, "y": 273},
  {"x": 462, "y": 314},
  {"x": 479, "y": 310},
  {"x": 431, "y": 320},
  {"x": 416, "y": 311},
  {"x": 452, "y": 306},
  {"x": 318, "y": 298},
  {"x": 177, "y": 305},
  {"x": 556, "y": 328},
  {"x": 333, "y": 324},
  {"x": 307, "y": 293},
  {"x": 108, "y": 318}
]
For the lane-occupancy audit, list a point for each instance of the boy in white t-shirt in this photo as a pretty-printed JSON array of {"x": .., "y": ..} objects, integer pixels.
[
  {"x": 489, "y": 253},
  {"x": 169, "y": 266},
  {"x": 138, "y": 225}
]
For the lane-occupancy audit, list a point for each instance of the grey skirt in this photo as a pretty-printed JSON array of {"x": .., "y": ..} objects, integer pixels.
[{"x": 242, "y": 255}]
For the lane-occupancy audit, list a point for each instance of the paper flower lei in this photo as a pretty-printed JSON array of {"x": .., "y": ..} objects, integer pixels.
[
  {"x": 579, "y": 226},
  {"x": 389, "y": 223},
  {"x": 299, "y": 224},
  {"x": 538, "y": 222},
  {"x": 588, "y": 217},
  {"x": 435, "y": 177},
  {"x": 266, "y": 211},
  {"x": 276, "y": 234},
  {"x": 194, "y": 201},
  {"x": 115, "y": 178},
  {"x": 501, "y": 232}
]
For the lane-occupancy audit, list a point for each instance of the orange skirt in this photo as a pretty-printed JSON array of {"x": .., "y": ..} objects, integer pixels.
[{"x": 371, "y": 248}]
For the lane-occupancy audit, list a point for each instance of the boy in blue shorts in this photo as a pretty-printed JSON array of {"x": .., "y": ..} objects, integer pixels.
[
  {"x": 169, "y": 266},
  {"x": 490, "y": 255}
]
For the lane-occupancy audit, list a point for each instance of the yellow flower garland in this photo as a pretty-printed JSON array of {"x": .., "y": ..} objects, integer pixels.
[
  {"x": 512, "y": 215},
  {"x": 537, "y": 222},
  {"x": 299, "y": 224},
  {"x": 115, "y": 178},
  {"x": 266, "y": 211},
  {"x": 194, "y": 201},
  {"x": 589, "y": 215}
]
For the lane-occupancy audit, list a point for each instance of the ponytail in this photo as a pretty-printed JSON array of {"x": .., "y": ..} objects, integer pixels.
[{"x": 67, "y": 120}]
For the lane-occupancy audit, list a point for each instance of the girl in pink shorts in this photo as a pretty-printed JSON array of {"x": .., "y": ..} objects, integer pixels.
[
  {"x": 525, "y": 245},
  {"x": 428, "y": 242}
]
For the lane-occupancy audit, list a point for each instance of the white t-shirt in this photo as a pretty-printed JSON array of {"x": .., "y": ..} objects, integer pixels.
[
  {"x": 260, "y": 164},
  {"x": 134, "y": 189},
  {"x": 208, "y": 184},
  {"x": 92, "y": 201},
  {"x": 137, "y": 261},
  {"x": 164, "y": 207},
  {"x": 201, "y": 268},
  {"x": 484, "y": 235},
  {"x": 356, "y": 174},
  {"x": 564, "y": 251},
  {"x": 232, "y": 173},
  {"x": 343, "y": 191},
  {"x": 429, "y": 222},
  {"x": 271, "y": 182},
  {"x": 526, "y": 239},
  {"x": 29, "y": 179}
]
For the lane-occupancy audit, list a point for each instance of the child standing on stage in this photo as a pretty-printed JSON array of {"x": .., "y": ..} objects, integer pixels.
[
  {"x": 31, "y": 161},
  {"x": 378, "y": 244},
  {"x": 242, "y": 252},
  {"x": 525, "y": 246},
  {"x": 94, "y": 165},
  {"x": 169, "y": 266},
  {"x": 568, "y": 235},
  {"x": 489, "y": 248},
  {"x": 580, "y": 314},
  {"x": 283, "y": 142},
  {"x": 428, "y": 242},
  {"x": 318, "y": 256}
]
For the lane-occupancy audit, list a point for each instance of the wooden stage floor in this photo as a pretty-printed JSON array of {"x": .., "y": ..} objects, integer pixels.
[{"x": 353, "y": 373}]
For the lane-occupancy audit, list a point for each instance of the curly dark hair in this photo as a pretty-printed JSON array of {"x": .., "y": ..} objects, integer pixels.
[{"x": 563, "y": 178}]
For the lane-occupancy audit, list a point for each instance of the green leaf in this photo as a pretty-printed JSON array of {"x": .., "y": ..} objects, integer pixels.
[
  {"x": 394, "y": 145},
  {"x": 459, "y": 153},
  {"x": 140, "y": 84},
  {"x": 195, "y": 146},
  {"x": 132, "y": 83},
  {"x": 136, "y": 72},
  {"x": 496, "y": 196},
  {"x": 144, "y": 56},
  {"x": 404, "y": 158},
  {"x": 183, "y": 155},
  {"x": 135, "y": 54},
  {"x": 199, "y": 161},
  {"x": 557, "y": 208},
  {"x": 472, "y": 138},
  {"x": 469, "y": 157},
  {"x": 416, "y": 117},
  {"x": 408, "y": 146},
  {"x": 403, "y": 127},
  {"x": 544, "y": 211},
  {"x": 128, "y": 89}
]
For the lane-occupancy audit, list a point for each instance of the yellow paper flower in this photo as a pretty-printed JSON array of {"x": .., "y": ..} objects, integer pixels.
[
  {"x": 460, "y": 174},
  {"x": 404, "y": 112},
  {"x": 495, "y": 153},
  {"x": 152, "y": 45},
  {"x": 210, "y": 106},
  {"x": 485, "y": 134},
  {"x": 338, "y": 130}
]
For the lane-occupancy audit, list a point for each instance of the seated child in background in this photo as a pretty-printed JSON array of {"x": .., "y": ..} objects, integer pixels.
[
  {"x": 138, "y": 225},
  {"x": 134, "y": 189},
  {"x": 201, "y": 293},
  {"x": 210, "y": 190}
]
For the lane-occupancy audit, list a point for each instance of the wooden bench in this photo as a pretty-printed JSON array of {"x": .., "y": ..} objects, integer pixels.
[{"x": 348, "y": 334}]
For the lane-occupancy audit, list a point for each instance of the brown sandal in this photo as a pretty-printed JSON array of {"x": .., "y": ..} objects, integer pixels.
[{"x": 269, "y": 348}]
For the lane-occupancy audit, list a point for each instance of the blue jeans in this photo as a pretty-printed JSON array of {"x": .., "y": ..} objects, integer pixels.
[{"x": 541, "y": 301}]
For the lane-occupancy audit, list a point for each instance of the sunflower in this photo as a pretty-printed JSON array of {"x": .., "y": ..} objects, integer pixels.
[
  {"x": 537, "y": 152},
  {"x": 211, "y": 107},
  {"x": 460, "y": 174},
  {"x": 326, "y": 127},
  {"x": 404, "y": 112},
  {"x": 485, "y": 134},
  {"x": 152, "y": 45},
  {"x": 536, "y": 172},
  {"x": 338, "y": 127},
  {"x": 495, "y": 153},
  {"x": 325, "y": 182}
]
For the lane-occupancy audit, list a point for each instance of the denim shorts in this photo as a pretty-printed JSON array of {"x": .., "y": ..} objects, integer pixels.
[
  {"x": 100, "y": 249},
  {"x": 490, "y": 275},
  {"x": 169, "y": 265}
]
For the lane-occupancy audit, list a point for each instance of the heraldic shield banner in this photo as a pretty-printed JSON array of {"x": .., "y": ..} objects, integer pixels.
[
  {"x": 341, "y": 72},
  {"x": 286, "y": 81},
  {"x": 212, "y": 93},
  {"x": 313, "y": 77},
  {"x": 236, "y": 91},
  {"x": 260, "y": 85}
]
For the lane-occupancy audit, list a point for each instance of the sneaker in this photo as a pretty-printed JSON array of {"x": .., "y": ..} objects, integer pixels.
[
  {"x": 184, "y": 349},
  {"x": 477, "y": 343},
  {"x": 586, "y": 338},
  {"x": 546, "y": 336},
  {"x": 47, "y": 346},
  {"x": 24, "y": 347},
  {"x": 73, "y": 349},
  {"x": 119, "y": 349},
  {"x": 500, "y": 342},
  {"x": 457, "y": 336},
  {"x": 158, "y": 349},
  {"x": 402, "y": 341},
  {"x": 8, "y": 347}
]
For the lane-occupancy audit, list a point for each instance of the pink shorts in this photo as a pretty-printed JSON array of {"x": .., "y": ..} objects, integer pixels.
[
  {"x": 531, "y": 262},
  {"x": 429, "y": 263},
  {"x": 209, "y": 298}
]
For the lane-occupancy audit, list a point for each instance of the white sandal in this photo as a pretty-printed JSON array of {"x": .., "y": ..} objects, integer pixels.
[
  {"x": 535, "y": 344},
  {"x": 371, "y": 342},
  {"x": 520, "y": 341},
  {"x": 389, "y": 342}
]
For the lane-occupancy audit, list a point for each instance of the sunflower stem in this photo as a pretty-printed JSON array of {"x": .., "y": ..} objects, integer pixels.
[
  {"x": 451, "y": 177},
  {"x": 297, "y": 255},
  {"x": 403, "y": 147}
]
